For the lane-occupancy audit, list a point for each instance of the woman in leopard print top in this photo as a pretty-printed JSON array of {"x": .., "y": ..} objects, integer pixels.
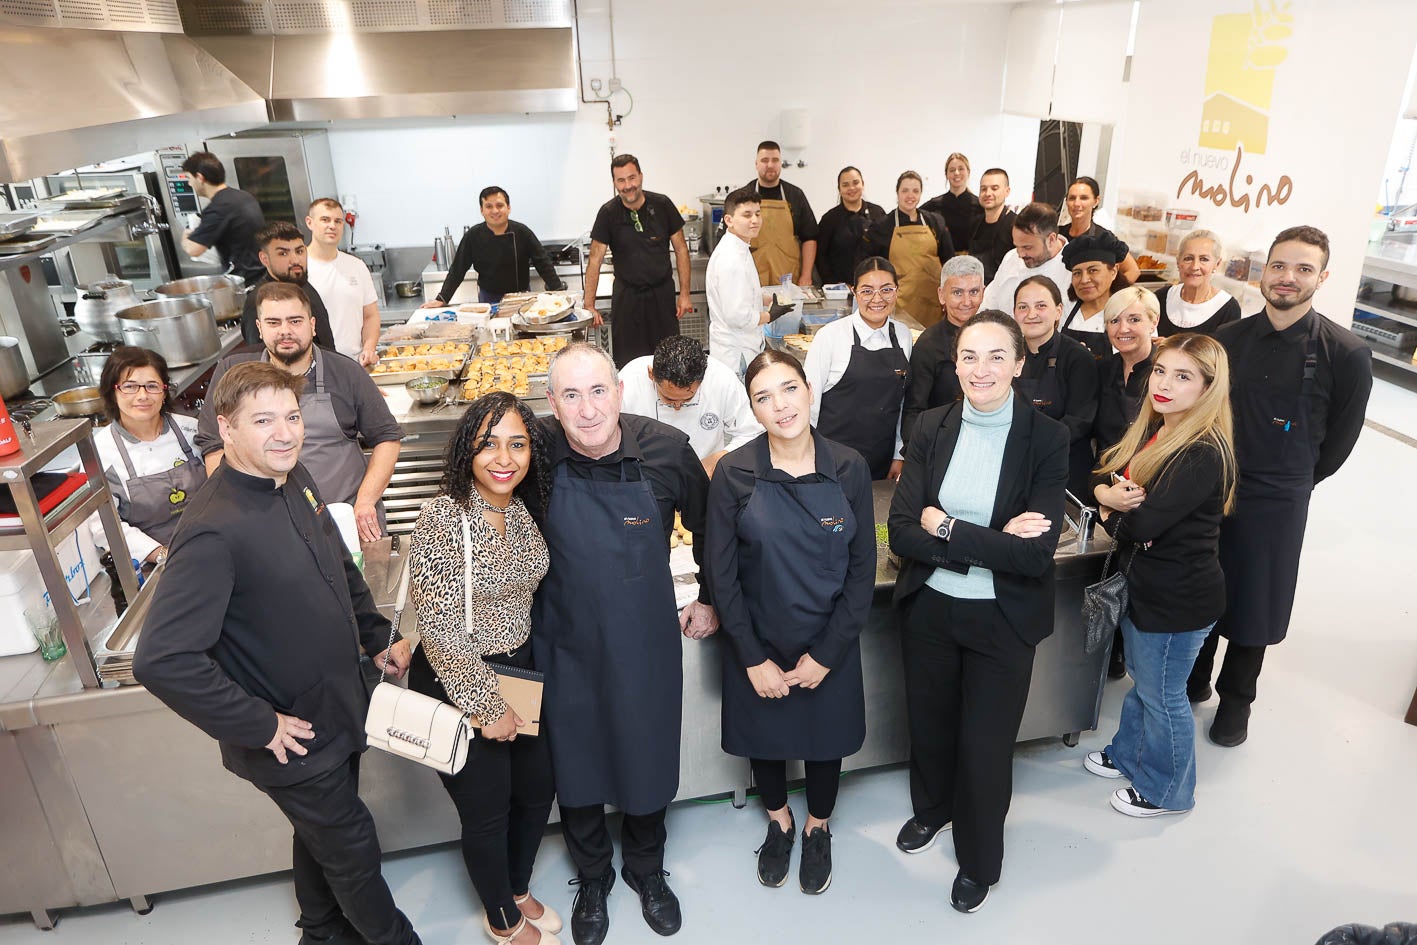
[{"x": 503, "y": 795}]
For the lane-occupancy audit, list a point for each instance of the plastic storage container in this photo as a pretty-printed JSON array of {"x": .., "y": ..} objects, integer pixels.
[{"x": 21, "y": 586}]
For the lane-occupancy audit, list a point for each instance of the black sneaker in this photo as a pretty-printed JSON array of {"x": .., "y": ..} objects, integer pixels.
[
  {"x": 815, "y": 871},
  {"x": 916, "y": 837},
  {"x": 590, "y": 913},
  {"x": 775, "y": 855},
  {"x": 1232, "y": 724},
  {"x": 1128, "y": 801},
  {"x": 1100, "y": 763},
  {"x": 658, "y": 903},
  {"x": 966, "y": 895}
]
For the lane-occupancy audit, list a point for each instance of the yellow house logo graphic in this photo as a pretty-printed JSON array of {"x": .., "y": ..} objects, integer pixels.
[{"x": 1245, "y": 50}]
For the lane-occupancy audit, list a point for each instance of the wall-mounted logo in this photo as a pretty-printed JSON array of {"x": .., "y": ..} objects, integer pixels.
[{"x": 1245, "y": 51}]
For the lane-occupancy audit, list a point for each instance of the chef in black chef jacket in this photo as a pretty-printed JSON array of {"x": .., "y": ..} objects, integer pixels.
[
  {"x": 608, "y": 632},
  {"x": 933, "y": 382},
  {"x": 502, "y": 251},
  {"x": 1299, "y": 388},
  {"x": 254, "y": 636},
  {"x": 639, "y": 228},
  {"x": 792, "y": 565},
  {"x": 1059, "y": 374}
]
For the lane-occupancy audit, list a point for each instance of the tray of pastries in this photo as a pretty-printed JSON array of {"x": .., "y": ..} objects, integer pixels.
[{"x": 401, "y": 362}]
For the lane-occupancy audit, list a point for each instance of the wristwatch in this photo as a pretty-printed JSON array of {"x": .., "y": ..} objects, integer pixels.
[{"x": 945, "y": 527}]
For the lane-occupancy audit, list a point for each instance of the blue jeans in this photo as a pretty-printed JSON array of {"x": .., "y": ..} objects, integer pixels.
[{"x": 1155, "y": 744}]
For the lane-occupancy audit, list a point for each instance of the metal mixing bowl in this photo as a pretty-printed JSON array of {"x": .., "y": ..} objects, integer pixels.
[{"x": 426, "y": 389}]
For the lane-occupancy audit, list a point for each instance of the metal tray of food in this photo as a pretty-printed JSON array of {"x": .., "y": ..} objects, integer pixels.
[
  {"x": 578, "y": 319},
  {"x": 543, "y": 309},
  {"x": 26, "y": 243},
  {"x": 15, "y": 222},
  {"x": 66, "y": 222},
  {"x": 88, "y": 195},
  {"x": 426, "y": 333}
]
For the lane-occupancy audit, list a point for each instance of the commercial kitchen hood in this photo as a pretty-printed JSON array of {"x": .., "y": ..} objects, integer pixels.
[{"x": 332, "y": 59}]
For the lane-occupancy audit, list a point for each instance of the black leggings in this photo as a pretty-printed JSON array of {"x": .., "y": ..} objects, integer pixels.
[
  {"x": 823, "y": 777},
  {"x": 503, "y": 796}
]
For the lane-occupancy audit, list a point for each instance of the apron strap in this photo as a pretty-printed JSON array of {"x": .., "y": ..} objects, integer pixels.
[
  {"x": 890, "y": 330},
  {"x": 123, "y": 451},
  {"x": 181, "y": 440},
  {"x": 1311, "y": 361}
]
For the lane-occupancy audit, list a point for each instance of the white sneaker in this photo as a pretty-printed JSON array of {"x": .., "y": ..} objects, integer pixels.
[
  {"x": 1098, "y": 763},
  {"x": 1128, "y": 801}
]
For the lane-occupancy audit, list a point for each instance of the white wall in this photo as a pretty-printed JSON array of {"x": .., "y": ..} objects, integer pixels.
[
  {"x": 896, "y": 85},
  {"x": 1336, "y": 93}
]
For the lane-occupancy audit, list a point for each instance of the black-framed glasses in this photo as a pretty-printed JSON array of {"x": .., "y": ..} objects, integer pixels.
[
  {"x": 635, "y": 219},
  {"x": 132, "y": 387}
]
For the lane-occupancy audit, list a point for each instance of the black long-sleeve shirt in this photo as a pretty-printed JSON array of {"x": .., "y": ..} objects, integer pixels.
[
  {"x": 261, "y": 610},
  {"x": 1118, "y": 403},
  {"x": 503, "y": 263},
  {"x": 838, "y": 239},
  {"x": 876, "y": 241},
  {"x": 933, "y": 382},
  {"x": 1273, "y": 361},
  {"x": 959, "y": 212},
  {"x": 676, "y": 475},
  {"x": 1077, "y": 379},
  {"x": 1174, "y": 583}
]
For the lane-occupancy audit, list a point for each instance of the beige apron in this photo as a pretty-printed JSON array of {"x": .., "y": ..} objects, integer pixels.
[
  {"x": 776, "y": 249},
  {"x": 915, "y": 253}
]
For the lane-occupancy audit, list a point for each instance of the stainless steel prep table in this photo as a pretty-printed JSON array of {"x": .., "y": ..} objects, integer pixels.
[{"x": 114, "y": 797}]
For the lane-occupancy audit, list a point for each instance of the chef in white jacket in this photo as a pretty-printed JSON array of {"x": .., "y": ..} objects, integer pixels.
[
  {"x": 735, "y": 296},
  {"x": 682, "y": 386}
]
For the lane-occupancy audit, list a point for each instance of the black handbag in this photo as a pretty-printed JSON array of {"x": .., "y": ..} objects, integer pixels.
[{"x": 1104, "y": 603}]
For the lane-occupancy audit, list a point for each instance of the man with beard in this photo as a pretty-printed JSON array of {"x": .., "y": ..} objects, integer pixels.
[
  {"x": 787, "y": 243},
  {"x": 932, "y": 361},
  {"x": 1299, "y": 388},
  {"x": 341, "y": 405},
  {"x": 283, "y": 253},
  {"x": 992, "y": 235}
]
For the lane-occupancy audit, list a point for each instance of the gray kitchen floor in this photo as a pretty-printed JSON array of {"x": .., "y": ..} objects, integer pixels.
[{"x": 1307, "y": 826}]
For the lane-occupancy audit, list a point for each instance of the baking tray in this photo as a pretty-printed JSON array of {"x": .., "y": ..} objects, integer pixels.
[
  {"x": 66, "y": 222},
  {"x": 13, "y": 223},
  {"x": 581, "y": 319},
  {"x": 526, "y": 316},
  {"x": 27, "y": 243}
]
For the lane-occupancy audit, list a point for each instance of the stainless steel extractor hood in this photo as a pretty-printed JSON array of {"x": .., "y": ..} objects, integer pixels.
[
  {"x": 330, "y": 59},
  {"x": 89, "y": 80}
]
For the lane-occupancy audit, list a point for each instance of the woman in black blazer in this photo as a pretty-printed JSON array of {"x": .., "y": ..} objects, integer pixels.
[{"x": 975, "y": 521}]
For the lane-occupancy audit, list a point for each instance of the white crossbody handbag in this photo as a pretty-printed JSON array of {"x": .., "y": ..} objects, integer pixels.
[{"x": 409, "y": 724}]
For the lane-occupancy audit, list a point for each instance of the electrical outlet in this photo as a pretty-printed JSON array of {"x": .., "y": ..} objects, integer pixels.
[
  {"x": 595, "y": 86},
  {"x": 615, "y": 84}
]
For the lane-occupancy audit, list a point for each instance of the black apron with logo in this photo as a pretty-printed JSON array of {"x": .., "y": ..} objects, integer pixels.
[
  {"x": 862, "y": 410},
  {"x": 1261, "y": 541},
  {"x": 1048, "y": 394},
  {"x": 607, "y": 638},
  {"x": 642, "y": 298},
  {"x": 156, "y": 501},
  {"x": 793, "y": 543}
]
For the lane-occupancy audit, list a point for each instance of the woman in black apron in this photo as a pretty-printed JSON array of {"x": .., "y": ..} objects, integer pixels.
[
  {"x": 1093, "y": 262},
  {"x": 149, "y": 458},
  {"x": 862, "y": 408},
  {"x": 791, "y": 564},
  {"x": 1059, "y": 375}
]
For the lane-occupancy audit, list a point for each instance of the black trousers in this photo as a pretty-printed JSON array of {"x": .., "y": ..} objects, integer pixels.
[
  {"x": 503, "y": 796},
  {"x": 642, "y": 838},
  {"x": 823, "y": 779},
  {"x": 335, "y": 858},
  {"x": 1239, "y": 673},
  {"x": 640, "y": 319},
  {"x": 966, "y": 684}
]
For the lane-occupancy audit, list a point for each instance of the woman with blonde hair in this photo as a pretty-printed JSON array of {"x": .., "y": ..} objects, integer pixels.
[{"x": 1163, "y": 490}]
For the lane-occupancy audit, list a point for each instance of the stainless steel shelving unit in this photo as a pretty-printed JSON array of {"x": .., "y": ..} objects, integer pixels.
[{"x": 1390, "y": 271}]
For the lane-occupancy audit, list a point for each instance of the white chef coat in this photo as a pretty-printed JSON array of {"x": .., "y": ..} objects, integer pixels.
[
  {"x": 735, "y": 301},
  {"x": 718, "y": 418},
  {"x": 1000, "y": 293},
  {"x": 345, "y": 286},
  {"x": 148, "y": 458},
  {"x": 831, "y": 353}
]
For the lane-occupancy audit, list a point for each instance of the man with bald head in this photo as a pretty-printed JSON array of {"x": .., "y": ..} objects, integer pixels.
[{"x": 609, "y": 631}]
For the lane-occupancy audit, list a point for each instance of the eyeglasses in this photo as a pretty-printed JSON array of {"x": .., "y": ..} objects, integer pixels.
[
  {"x": 885, "y": 292},
  {"x": 635, "y": 219},
  {"x": 131, "y": 387}
]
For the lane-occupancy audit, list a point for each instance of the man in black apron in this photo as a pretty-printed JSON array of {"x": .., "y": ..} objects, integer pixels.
[
  {"x": 1299, "y": 388},
  {"x": 608, "y": 632},
  {"x": 638, "y": 227},
  {"x": 341, "y": 405}
]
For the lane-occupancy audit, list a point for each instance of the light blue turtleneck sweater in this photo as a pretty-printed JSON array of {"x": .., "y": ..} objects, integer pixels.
[{"x": 968, "y": 489}]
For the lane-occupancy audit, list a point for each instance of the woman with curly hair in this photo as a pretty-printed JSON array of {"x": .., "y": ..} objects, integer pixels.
[{"x": 475, "y": 562}]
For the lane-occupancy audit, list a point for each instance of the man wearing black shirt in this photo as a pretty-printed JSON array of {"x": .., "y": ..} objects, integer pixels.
[
  {"x": 230, "y": 220},
  {"x": 254, "y": 637},
  {"x": 502, "y": 251},
  {"x": 933, "y": 381},
  {"x": 283, "y": 254},
  {"x": 608, "y": 631},
  {"x": 992, "y": 235},
  {"x": 788, "y": 240},
  {"x": 1299, "y": 388},
  {"x": 639, "y": 227}
]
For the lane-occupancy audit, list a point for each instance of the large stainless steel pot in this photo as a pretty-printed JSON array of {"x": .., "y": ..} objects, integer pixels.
[
  {"x": 225, "y": 294},
  {"x": 181, "y": 329},
  {"x": 14, "y": 377},
  {"x": 96, "y": 306}
]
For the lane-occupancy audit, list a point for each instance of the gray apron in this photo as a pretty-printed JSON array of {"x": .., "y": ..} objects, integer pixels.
[
  {"x": 335, "y": 461},
  {"x": 156, "y": 501}
]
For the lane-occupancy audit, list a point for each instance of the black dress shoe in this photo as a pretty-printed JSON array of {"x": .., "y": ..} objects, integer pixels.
[
  {"x": 590, "y": 913},
  {"x": 1232, "y": 724},
  {"x": 658, "y": 903},
  {"x": 1198, "y": 694},
  {"x": 915, "y": 837},
  {"x": 967, "y": 895}
]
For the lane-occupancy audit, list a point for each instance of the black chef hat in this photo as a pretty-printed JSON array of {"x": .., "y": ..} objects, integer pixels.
[{"x": 1104, "y": 247}]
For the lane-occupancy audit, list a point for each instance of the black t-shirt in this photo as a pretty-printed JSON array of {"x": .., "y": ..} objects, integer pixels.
[
  {"x": 642, "y": 253},
  {"x": 876, "y": 241},
  {"x": 229, "y": 223},
  {"x": 991, "y": 242},
  {"x": 324, "y": 334},
  {"x": 959, "y": 212},
  {"x": 838, "y": 239},
  {"x": 804, "y": 221}
]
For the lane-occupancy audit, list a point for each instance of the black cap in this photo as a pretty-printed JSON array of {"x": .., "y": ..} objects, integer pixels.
[{"x": 1103, "y": 247}]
